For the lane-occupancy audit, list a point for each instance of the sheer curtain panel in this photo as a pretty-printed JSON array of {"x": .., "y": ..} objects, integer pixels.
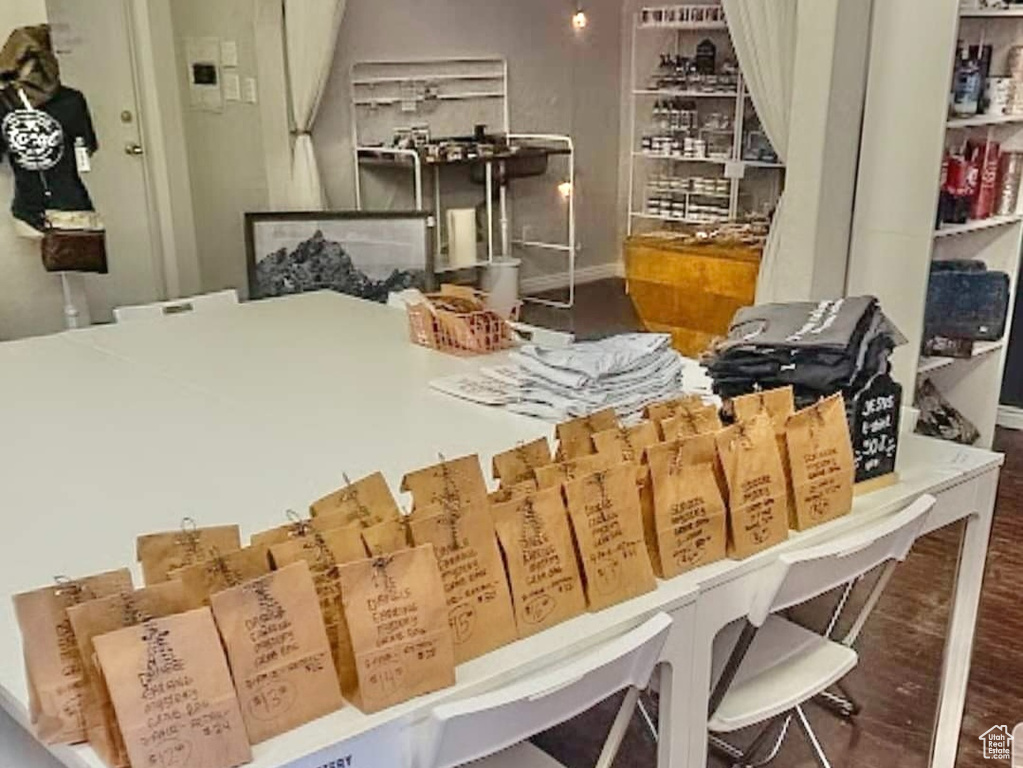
[
  {"x": 764, "y": 35},
  {"x": 311, "y": 30}
]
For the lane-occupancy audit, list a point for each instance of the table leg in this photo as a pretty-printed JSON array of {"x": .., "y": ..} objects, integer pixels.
[
  {"x": 673, "y": 712},
  {"x": 962, "y": 624},
  {"x": 490, "y": 211},
  {"x": 438, "y": 213}
]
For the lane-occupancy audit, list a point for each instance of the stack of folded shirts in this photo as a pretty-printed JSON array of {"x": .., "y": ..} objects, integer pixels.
[
  {"x": 625, "y": 372},
  {"x": 818, "y": 348}
]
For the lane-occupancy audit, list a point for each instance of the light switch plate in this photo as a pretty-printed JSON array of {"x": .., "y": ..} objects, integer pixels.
[
  {"x": 232, "y": 87},
  {"x": 251, "y": 91},
  {"x": 228, "y": 53}
]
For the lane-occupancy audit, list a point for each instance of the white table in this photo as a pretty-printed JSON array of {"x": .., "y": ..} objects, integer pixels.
[{"x": 242, "y": 413}]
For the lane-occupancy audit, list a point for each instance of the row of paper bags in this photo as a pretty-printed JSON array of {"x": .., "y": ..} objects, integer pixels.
[{"x": 228, "y": 646}]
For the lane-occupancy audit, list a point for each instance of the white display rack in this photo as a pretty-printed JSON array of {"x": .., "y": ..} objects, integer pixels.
[
  {"x": 681, "y": 37},
  {"x": 449, "y": 97},
  {"x": 906, "y": 127}
]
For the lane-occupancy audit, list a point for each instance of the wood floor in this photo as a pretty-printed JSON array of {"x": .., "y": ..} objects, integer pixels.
[{"x": 901, "y": 648}]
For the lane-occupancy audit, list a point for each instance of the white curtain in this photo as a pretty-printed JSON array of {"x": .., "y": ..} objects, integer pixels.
[
  {"x": 764, "y": 35},
  {"x": 311, "y": 32}
]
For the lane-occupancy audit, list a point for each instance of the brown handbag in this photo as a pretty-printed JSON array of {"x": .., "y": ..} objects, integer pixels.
[{"x": 68, "y": 250}]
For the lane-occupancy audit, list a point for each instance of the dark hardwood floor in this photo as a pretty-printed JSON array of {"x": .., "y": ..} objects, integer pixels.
[{"x": 901, "y": 648}]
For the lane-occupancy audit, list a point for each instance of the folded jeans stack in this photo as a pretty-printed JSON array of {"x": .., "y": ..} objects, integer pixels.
[{"x": 819, "y": 348}]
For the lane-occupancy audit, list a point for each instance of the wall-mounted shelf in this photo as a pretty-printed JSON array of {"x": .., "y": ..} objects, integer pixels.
[
  {"x": 682, "y": 94},
  {"x": 980, "y": 349},
  {"x": 680, "y": 158},
  {"x": 982, "y": 120},
  {"x": 992, "y": 222},
  {"x": 1002, "y": 13}
]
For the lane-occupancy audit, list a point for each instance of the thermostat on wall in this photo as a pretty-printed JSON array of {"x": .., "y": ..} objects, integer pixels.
[{"x": 204, "y": 78}]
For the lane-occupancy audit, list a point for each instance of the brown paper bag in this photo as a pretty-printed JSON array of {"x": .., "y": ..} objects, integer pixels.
[
  {"x": 779, "y": 404},
  {"x": 627, "y": 443},
  {"x": 53, "y": 666},
  {"x": 475, "y": 586},
  {"x": 324, "y": 552},
  {"x": 399, "y": 628},
  {"x": 692, "y": 419},
  {"x": 387, "y": 538},
  {"x": 458, "y": 484},
  {"x": 223, "y": 571},
  {"x": 100, "y": 617},
  {"x": 161, "y": 553},
  {"x": 658, "y": 412},
  {"x": 689, "y": 514},
  {"x": 296, "y": 528},
  {"x": 608, "y": 525},
  {"x": 645, "y": 488},
  {"x": 556, "y": 475},
  {"x": 757, "y": 517},
  {"x": 330, "y": 547},
  {"x": 822, "y": 463},
  {"x": 516, "y": 466},
  {"x": 368, "y": 501},
  {"x": 172, "y": 692},
  {"x": 278, "y": 650},
  {"x": 701, "y": 449},
  {"x": 536, "y": 539},
  {"x": 512, "y": 492},
  {"x": 575, "y": 437}
]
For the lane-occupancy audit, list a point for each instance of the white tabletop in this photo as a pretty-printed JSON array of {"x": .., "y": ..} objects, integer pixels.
[{"x": 237, "y": 415}]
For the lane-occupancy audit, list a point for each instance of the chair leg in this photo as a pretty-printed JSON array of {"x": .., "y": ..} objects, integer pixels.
[
  {"x": 773, "y": 752},
  {"x": 724, "y": 749},
  {"x": 744, "y": 759},
  {"x": 818, "y": 751},
  {"x": 618, "y": 729},
  {"x": 651, "y": 727},
  {"x": 840, "y": 704}
]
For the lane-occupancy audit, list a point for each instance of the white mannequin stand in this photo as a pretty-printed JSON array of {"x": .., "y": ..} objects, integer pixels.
[{"x": 72, "y": 315}]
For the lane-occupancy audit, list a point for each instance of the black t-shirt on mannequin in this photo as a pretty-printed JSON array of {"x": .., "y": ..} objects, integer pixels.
[{"x": 40, "y": 145}]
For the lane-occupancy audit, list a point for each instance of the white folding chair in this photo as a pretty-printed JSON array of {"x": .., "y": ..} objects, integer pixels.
[
  {"x": 162, "y": 309},
  {"x": 767, "y": 667},
  {"x": 495, "y": 725}
]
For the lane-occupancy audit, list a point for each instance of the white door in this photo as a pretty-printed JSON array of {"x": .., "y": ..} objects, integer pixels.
[{"x": 92, "y": 43}]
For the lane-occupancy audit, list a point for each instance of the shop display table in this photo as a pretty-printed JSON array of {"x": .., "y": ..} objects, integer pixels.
[{"x": 238, "y": 415}]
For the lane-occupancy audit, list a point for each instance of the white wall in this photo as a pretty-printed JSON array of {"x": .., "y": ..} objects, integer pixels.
[
  {"x": 225, "y": 150},
  {"x": 560, "y": 82},
  {"x": 30, "y": 298}
]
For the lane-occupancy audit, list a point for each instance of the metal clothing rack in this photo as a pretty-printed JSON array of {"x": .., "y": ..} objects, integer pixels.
[{"x": 450, "y": 96}]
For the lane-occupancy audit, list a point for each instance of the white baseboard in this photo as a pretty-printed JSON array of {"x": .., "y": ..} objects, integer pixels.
[
  {"x": 1010, "y": 417},
  {"x": 583, "y": 275}
]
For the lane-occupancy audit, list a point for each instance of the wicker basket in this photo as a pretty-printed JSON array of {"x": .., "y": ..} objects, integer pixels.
[{"x": 469, "y": 333}]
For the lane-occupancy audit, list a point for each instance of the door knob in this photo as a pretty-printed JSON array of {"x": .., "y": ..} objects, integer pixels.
[{"x": 132, "y": 148}]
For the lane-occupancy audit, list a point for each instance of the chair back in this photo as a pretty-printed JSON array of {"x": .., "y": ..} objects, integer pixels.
[
  {"x": 463, "y": 731},
  {"x": 163, "y": 309},
  {"x": 802, "y": 575}
]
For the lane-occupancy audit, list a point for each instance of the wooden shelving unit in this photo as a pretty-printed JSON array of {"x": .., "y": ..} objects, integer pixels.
[{"x": 894, "y": 241}]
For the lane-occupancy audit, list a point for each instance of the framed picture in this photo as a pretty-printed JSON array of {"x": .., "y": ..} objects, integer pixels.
[{"x": 358, "y": 253}]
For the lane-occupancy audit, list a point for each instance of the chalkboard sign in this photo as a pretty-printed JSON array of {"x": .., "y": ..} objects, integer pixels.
[{"x": 875, "y": 428}]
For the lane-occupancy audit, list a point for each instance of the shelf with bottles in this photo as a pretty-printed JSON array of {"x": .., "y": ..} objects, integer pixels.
[
  {"x": 680, "y": 130},
  {"x": 683, "y": 17},
  {"x": 979, "y": 97},
  {"x": 979, "y": 187},
  {"x": 703, "y": 72}
]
